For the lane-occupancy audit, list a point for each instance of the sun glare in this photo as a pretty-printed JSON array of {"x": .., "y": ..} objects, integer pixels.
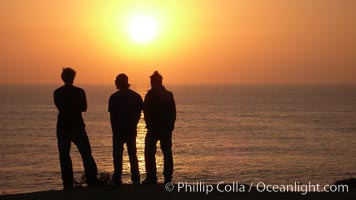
[{"x": 142, "y": 29}]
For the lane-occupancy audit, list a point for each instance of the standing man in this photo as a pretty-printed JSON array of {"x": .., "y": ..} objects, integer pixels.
[
  {"x": 71, "y": 102},
  {"x": 125, "y": 108},
  {"x": 160, "y": 116}
]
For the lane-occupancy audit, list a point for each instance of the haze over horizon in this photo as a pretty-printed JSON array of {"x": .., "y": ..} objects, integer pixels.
[{"x": 207, "y": 42}]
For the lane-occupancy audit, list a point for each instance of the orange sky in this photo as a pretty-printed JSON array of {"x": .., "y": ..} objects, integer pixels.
[{"x": 203, "y": 41}]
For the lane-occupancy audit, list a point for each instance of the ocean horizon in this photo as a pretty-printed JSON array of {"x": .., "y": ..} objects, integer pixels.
[{"x": 277, "y": 134}]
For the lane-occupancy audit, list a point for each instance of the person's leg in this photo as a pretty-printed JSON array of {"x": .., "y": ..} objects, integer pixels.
[
  {"x": 132, "y": 151},
  {"x": 166, "y": 147},
  {"x": 65, "y": 160},
  {"x": 118, "y": 149},
  {"x": 150, "y": 159},
  {"x": 81, "y": 140}
]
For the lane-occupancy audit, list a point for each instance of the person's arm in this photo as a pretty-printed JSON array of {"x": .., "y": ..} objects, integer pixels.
[
  {"x": 113, "y": 122},
  {"x": 57, "y": 101},
  {"x": 140, "y": 108},
  {"x": 172, "y": 111},
  {"x": 147, "y": 110},
  {"x": 112, "y": 115},
  {"x": 84, "y": 104}
]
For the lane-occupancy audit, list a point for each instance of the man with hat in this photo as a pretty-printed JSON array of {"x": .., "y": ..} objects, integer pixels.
[
  {"x": 125, "y": 108},
  {"x": 160, "y": 116}
]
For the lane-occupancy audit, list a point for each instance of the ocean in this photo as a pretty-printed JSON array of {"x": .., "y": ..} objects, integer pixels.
[{"x": 246, "y": 133}]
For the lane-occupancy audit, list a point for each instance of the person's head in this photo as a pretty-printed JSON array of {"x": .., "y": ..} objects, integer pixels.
[
  {"x": 122, "y": 81},
  {"x": 156, "y": 79},
  {"x": 68, "y": 75}
]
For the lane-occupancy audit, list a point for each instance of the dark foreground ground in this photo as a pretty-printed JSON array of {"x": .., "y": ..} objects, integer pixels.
[{"x": 158, "y": 192}]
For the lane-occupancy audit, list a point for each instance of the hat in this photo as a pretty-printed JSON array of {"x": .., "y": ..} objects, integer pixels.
[{"x": 156, "y": 76}]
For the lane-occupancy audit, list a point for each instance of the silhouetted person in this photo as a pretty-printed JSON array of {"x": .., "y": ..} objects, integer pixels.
[
  {"x": 125, "y": 108},
  {"x": 71, "y": 102},
  {"x": 160, "y": 116}
]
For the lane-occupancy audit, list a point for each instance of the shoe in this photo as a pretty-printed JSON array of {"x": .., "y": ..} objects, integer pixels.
[
  {"x": 150, "y": 181},
  {"x": 167, "y": 180},
  {"x": 114, "y": 183},
  {"x": 67, "y": 188},
  {"x": 94, "y": 182},
  {"x": 136, "y": 179}
]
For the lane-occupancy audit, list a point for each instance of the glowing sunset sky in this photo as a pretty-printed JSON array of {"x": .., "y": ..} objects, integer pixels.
[{"x": 247, "y": 42}]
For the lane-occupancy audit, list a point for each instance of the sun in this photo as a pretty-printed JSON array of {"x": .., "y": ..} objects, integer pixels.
[{"x": 142, "y": 29}]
